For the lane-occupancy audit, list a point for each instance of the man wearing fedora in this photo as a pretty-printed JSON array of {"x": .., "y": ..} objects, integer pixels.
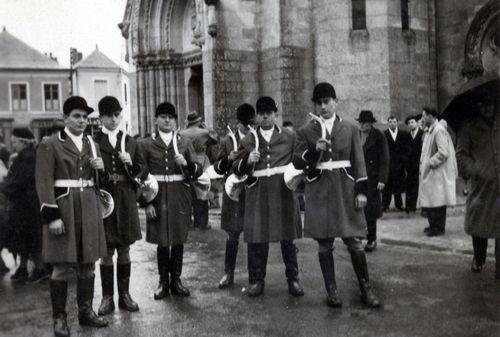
[
  {"x": 271, "y": 209},
  {"x": 336, "y": 190},
  {"x": 201, "y": 138},
  {"x": 169, "y": 213},
  {"x": 233, "y": 212},
  {"x": 376, "y": 154},
  {"x": 123, "y": 163},
  {"x": 413, "y": 162},
  {"x": 73, "y": 231}
]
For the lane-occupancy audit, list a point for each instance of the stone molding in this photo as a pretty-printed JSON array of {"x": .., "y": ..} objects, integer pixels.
[{"x": 473, "y": 64}]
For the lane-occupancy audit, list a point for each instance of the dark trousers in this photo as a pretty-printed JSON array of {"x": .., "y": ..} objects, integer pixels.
[
  {"x": 257, "y": 260},
  {"x": 480, "y": 246},
  {"x": 387, "y": 196},
  {"x": 411, "y": 192},
  {"x": 200, "y": 213},
  {"x": 372, "y": 230},
  {"x": 436, "y": 217}
]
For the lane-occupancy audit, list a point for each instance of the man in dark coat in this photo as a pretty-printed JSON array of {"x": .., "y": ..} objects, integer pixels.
[
  {"x": 169, "y": 157},
  {"x": 413, "y": 163},
  {"x": 73, "y": 232},
  {"x": 233, "y": 212},
  {"x": 376, "y": 154},
  {"x": 201, "y": 139},
  {"x": 398, "y": 141},
  {"x": 478, "y": 160},
  {"x": 24, "y": 228},
  {"x": 123, "y": 163},
  {"x": 330, "y": 153},
  {"x": 271, "y": 209}
]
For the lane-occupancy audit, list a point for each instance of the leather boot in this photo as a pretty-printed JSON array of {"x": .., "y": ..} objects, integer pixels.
[
  {"x": 257, "y": 258},
  {"x": 107, "y": 281},
  {"x": 84, "y": 297},
  {"x": 230, "y": 263},
  {"x": 176, "y": 286},
  {"x": 125, "y": 301},
  {"x": 368, "y": 297},
  {"x": 58, "y": 295},
  {"x": 289, "y": 254},
  {"x": 328, "y": 270},
  {"x": 162, "y": 258}
]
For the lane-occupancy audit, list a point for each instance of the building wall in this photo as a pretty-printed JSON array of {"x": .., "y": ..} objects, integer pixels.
[{"x": 35, "y": 81}]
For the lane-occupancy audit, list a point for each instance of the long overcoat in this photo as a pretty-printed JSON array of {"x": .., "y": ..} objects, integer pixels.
[
  {"x": 271, "y": 209},
  {"x": 84, "y": 239},
  {"x": 376, "y": 154},
  {"x": 398, "y": 153},
  {"x": 233, "y": 212},
  {"x": 173, "y": 201},
  {"x": 413, "y": 159},
  {"x": 122, "y": 226},
  {"x": 330, "y": 195},
  {"x": 478, "y": 160},
  {"x": 22, "y": 231},
  {"x": 438, "y": 169}
]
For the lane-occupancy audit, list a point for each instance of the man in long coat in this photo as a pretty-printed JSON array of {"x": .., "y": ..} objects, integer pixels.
[
  {"x": 376, "y": 154},
  {"x": 336, "y": 189},
  {"x": 233, "y": 212},
  {"x": 73, "y": 231},
  {"x": 478, "y": 160},
  {"x": 398, "y": 141},
  {"x": 413, "y": 163},
  {"x": 169, "y": 213},
  {"x": 271, "y": 209},
  {"x": 438, "y": 173},
  {"x": 201, "y": 138},
  {"x": 122, "y": 226}
]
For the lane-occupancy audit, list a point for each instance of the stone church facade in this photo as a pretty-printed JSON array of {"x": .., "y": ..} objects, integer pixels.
[{"x": 390, "y": 56}]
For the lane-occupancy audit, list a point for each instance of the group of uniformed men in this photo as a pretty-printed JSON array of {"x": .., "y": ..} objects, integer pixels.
[{"x": 75, "y": 171}]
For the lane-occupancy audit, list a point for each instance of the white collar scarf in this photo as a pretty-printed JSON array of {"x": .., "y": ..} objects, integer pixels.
[
  {"x": 166, "y": 137},
  {"x": 77, "y": 140},
  {"x": 329, "y": 123},
  {"x": 112, "y": 135}
]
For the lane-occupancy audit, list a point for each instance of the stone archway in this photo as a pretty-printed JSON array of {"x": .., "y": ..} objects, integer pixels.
[
  {"x": 166, "y": 41},
  {"x": 482, "y": 44}
]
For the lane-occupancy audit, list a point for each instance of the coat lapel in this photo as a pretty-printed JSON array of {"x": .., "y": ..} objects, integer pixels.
[
  {"x": 370, "y": 140},
  {"x": 68, "y": 143},
  {"x": 337, "y": 126}
]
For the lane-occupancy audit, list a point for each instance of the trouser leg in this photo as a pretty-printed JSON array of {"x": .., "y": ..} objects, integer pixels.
[
  {"x": 257, "y": 264},
  {"x": 387, "y": 195},
  {"x": 480, "y": 247},
  {"x": 359, "y": 264},
  {"x": 398, "y": 200},
  {"x": 372, "y": 230}
]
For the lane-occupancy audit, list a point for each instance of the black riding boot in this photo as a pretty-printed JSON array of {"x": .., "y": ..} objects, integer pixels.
[
  {"x": 289, "y": 254},
  {"x": 84, "y": 297},
  {"x": 230, "y": 263},
  {"x": 257, "y": 261},
  {"x": 58, "y": 295},
  {"x": 176, "y": 286},
  {"x": 328, "y": 269},
  {"x": 107, "y": 281},
  {"x": 162, "y": 258},
  {"x": 125, "y": 301},
  {"x": 358, "y": 259}
]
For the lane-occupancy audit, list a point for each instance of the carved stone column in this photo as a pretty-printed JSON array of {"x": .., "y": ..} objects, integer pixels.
[
  {"x": 141, "y": 97},
  {"x": 162, "y": 90},
  {"x": 151, "y": 92}
]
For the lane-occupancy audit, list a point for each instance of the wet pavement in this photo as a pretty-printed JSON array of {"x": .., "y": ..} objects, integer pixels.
[{"x": 426, "y": 292}]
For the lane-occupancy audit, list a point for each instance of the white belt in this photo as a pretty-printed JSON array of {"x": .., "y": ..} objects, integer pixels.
[
  {"x": 168, "y": 178},
  {"x": 269, "y": 171},
  {"x": 73, "y": 183},
  {"x": 332, "y": 165}
]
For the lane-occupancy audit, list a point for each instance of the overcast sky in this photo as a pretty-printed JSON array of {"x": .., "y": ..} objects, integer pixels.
[{"x": 56, "y": 25}]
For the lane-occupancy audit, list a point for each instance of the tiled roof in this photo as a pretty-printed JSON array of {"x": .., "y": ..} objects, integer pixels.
[
  {"x": 96, "y": 60},
  {"x": 15, "y": 54}
]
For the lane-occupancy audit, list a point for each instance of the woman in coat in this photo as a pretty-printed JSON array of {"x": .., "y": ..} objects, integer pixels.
[
  {"x": 478, "y": 160},
  {"x": 169, "y": 214},
  {"x": 376, "y": 153}
]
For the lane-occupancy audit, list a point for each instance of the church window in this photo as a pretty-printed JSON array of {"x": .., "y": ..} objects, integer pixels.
[
  {"x": 405, "y": 15},
  {"x": 358, "y": 14}
]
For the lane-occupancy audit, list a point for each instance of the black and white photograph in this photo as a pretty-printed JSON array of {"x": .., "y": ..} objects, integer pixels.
[{"x": 250, "y": 168}]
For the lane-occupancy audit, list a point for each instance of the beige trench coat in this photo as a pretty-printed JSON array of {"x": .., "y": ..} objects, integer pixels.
[{"x": 438, "y": 169}]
